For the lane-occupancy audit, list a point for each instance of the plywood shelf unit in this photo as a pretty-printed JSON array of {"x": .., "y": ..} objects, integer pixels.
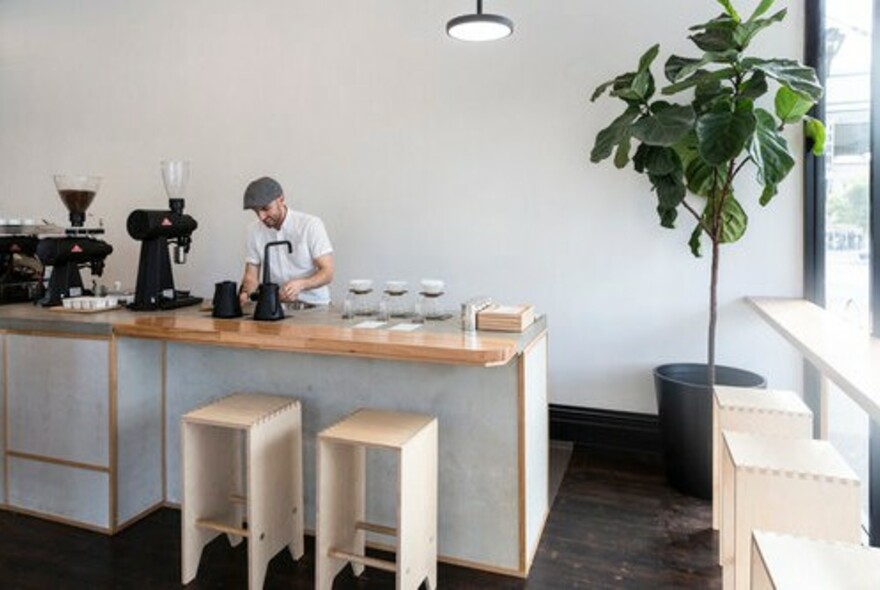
[{"x": 506, "y": 318}]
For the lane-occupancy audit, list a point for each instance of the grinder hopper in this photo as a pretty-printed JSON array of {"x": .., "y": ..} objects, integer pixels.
[{"x": 77, "y": 194}]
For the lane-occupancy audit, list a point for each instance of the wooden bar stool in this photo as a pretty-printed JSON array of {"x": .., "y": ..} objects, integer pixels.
[
  {"x": 785, "y": 562},
  {"x": 341, "y": 504},
  {"x": 760, "y": 411},
  {"x": 784, "y": 485},
  {"x": 242, "y": 475}
]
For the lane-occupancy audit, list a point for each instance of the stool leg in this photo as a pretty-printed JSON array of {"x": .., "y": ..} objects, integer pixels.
[
  {"x": 340, "y": 504},
  {"x": 417, "y": 498},
  {"x": 206, "y": 452},
  {"x": 271, "y": 506},
  {"x": 297, "y": 547},
  {"x": 237, "y": 476}
]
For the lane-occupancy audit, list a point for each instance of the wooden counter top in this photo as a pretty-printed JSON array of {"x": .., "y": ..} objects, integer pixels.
[
  {"x": 848, "y": 356},
  {"x": 312, "y": 331}
]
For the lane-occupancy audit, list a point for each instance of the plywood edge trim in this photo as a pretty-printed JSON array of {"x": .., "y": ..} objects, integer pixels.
[
  {"x": 138, "y": 517},
  {"x": 57, "y": 461},
  {"x": 522, "y": 528},
  {"x": 533, "y": 553},
  {"x": 50, "y": 334},
  {"x": 60, "y": 519},
  {"x": 535, "y": 341},
  {"x": 485, "y": 358}
]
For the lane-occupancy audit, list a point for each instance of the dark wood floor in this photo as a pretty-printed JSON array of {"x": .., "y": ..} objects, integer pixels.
[{"x": 614, "y": 524}]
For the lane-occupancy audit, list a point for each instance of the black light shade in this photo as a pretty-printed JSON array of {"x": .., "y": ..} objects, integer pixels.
[{"x": 479, "y": 26}]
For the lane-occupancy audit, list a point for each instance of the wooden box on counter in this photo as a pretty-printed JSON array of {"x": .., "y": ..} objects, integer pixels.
[{"x": 506, "y": 318}]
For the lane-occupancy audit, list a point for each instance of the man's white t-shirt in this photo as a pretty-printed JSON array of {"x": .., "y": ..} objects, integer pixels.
[{"x": 309, "y": 239}]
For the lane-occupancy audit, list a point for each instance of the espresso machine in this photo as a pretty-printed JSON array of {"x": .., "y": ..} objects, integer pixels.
[
  {"x": 157, "y": 230},
  {"x": 21, "y": 272},
  {"x": 76, "y": 249}
]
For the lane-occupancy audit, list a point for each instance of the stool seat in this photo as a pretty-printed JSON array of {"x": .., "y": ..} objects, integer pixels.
[
  {"x": 786, "y": 562},
  {"x": 750, "y": 399},
  {"x": 242, "y": 476},
  {"x": 341, "y": 506},
  {"x": 377, "y": 428},
  {"x": 239, "y": 410},
  {"x": 788, "y": 457},
  {"x": 787, "y": 485},
  {"x": 760, "y": 411}
]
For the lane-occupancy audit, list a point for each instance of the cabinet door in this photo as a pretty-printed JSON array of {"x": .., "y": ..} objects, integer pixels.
[{"x": 58, "y": 398}]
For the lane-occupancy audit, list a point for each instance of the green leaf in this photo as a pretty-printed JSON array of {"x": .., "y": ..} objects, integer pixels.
[
  {"x": 621, "y": 156},
  {"x": 643, "y": 85},
  {"x": 700, "y": 77},
  {"x": 721, "y": 21},
  {"x": 665, "y": 127},
  {"x": 703, "y": 179},
  {"x": 791, "y": 74},
  {"x": 723, "y": 133},
  {"x": 670, "y": 193},
  {"x": 791, "y": 106},
  {"x": 769, "y": 192},
  {"x": 648, "y": 58},
  {"x": 755, "y": 87},
  {"x": 733, "y": 219},
  {"x": 658, "y": 160},
  {"x": 714, "y": 40},
  {"x": 694, "y": 242},
  {"x": 729, "y": 9},
  {"x": 612, "y": 135},
  {"x": 763, "y": 7},
  {"x": 600, "y": 89},
  {"x": 769, "y": 150},
  {"x": 640, "y": 157},
  {"x": 678, "y": 67},
  {"x": 815, "y": 132},
  {"x": 746, "y": 31},
  {"x": 707, "y": 96}
]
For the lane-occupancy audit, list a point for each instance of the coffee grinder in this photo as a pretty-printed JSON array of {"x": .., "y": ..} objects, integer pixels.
[
  {"x": 21, "y": 273},
  {"x": 156, "y": 230},
  {"x": 66, "y": 254}
]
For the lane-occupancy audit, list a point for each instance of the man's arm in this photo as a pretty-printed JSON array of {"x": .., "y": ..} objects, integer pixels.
[
  {"x": 249, "y": 281},
  {"x": 323, "y": 275}
]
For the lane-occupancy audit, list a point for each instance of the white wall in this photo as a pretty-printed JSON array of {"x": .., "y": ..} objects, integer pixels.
[{"x": 425, "y": 156}]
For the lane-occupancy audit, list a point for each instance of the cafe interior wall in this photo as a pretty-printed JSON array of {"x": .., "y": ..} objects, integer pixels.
[{"x": 425, "y": 156}]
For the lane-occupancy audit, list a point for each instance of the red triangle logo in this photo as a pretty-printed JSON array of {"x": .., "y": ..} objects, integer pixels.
[
  {"x": 166, "y": 222},
  {"x": 76, "y": 248},
  {"x": 15, "y": 248}
]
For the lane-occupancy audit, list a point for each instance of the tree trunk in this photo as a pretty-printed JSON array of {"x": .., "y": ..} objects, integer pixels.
[{"x": 713, "y": 310}]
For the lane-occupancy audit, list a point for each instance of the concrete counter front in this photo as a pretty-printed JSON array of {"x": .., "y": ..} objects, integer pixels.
[{"x": 92, "y": 405}]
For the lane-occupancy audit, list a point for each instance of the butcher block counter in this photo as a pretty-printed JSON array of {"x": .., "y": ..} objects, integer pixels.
[{"x": 92, "y": 403}]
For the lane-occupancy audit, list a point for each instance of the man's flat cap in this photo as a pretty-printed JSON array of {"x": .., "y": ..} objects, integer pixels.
[{"x": 261, "y": 192}]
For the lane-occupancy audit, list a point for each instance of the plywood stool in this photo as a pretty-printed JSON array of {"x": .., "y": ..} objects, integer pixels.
[
  {"x": 341, "y": 505},
  {"x": 785, "y": 485},
  {"x": 242, "y": 475},
  {"x": 785, "y": 562},
  {"x": 761, "y": 411}
]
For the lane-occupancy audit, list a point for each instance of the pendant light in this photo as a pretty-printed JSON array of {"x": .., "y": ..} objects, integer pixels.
[{"x": 479, "y": 26}]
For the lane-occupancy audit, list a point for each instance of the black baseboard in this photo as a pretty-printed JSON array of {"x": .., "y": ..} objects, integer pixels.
[{"x": 606, "y": 430}]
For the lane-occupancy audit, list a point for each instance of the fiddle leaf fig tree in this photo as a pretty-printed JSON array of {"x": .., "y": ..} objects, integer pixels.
[{"x": 710, "y": 124}]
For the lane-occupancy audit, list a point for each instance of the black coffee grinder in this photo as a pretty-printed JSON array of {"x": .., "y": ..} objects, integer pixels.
[
  {"x": 156, "y": 230},
  {"x": 67, "y": 254},
  {"x": 21, "y": 273}
]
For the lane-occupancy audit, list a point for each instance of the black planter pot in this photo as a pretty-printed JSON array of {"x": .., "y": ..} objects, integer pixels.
[{"x": 684, "y": 401}]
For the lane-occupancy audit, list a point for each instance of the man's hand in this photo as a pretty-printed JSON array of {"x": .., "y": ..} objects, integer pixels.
[{"x": 291, "y": 289}]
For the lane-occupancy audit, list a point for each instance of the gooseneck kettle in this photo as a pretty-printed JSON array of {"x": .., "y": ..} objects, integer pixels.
[{"x": 269, "y": 307}]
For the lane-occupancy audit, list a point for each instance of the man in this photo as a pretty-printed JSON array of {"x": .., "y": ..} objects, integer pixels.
[{"x": 302, "y": 275}]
